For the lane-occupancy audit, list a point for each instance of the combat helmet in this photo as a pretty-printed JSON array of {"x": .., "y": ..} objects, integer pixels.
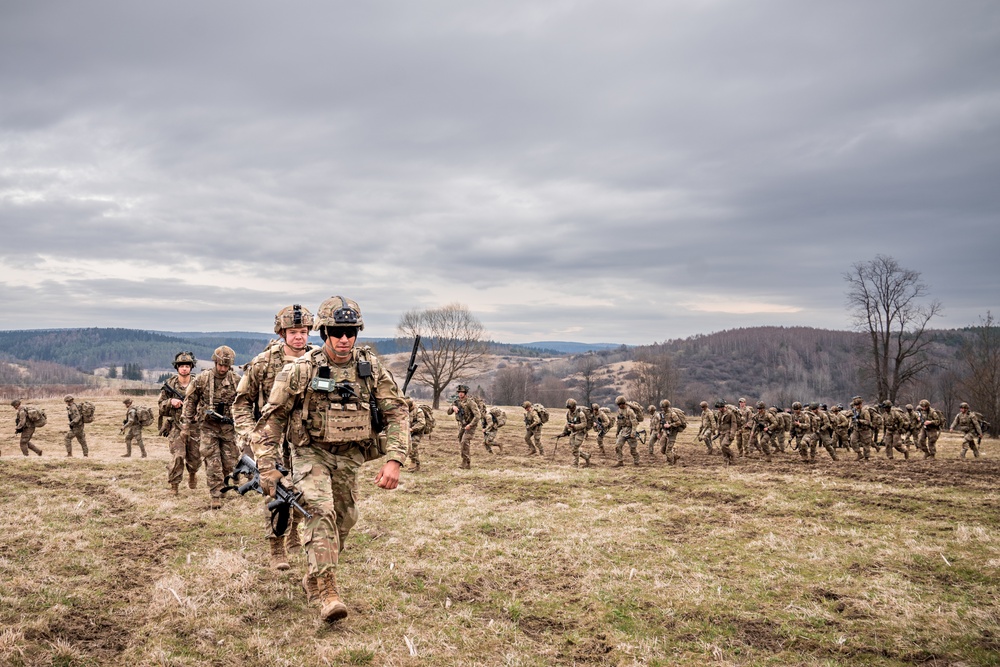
[
  {"x": 703, "y": 404},
  {"x": 761, "y": 405},
  {"x": 462, "y": 388},
  {"x": 720, "y": 403},
  {"x": 814, "y": 405},
  {"x": 887, "y": 405},
  {"x": 620, "y": 400},
  {"x": 595, "y": 407},
  {"x": 15, "y": 403},
  {"x": 291, "y": 317},
  {"x": 796, "y": 405},
  {"x": 857, "y": 400},
  {"x": 68, "y": 398},
  {"x": 526, "y": 405},
  {"x": 127, "y": 401},
  {"x": 924, "y": 403},
  {"x": 963, "y": 404},
  {"x": 651, "y": 409},
  {"x": 183, "y": 358},
  {"x": 338, "y": 312},
  {"x": 664, "y": 404},
  {"x": 224, "y": 355},
  {"x": 570, "y": 403}
]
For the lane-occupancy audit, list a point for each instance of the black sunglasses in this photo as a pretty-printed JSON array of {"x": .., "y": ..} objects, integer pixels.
[{"x": 340, "y": 332}]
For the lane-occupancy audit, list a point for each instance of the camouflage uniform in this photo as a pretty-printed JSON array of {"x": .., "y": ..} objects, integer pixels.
[
  {"x": 654, "y": 427},
  {"x": 931, "y": 422},
  {"x": 800, "y": 425},
  {"x": 764, "y": 424},
  {"x": 729, "y": 426},
  {"x": 862, "y": 429},
  {"x": 627, "y": 423},
  {"x": 217, "y": 438},
  {"x": 576, "y": 426},
  {"x": 841, "y": 427},
  {"x": 822, "y": 432},
  {"x": 469, "y": 417},
  {"x": 743, "y": 435},
  {"x": 967, "y": 423},
  {"x": 75, "y": 415},
  {"x": 251, "y": 397},
  {"x": 896, "y": 423},
  {"x": 911, "y": 426},
  {"x": 785, "y": 420},
  {"x": 491, "y": 421},
  {"x": 24, "y": 427},
  {"x": 532, "y": 430},
  {"x": 184, "y": 447},
  {"x": 417, "y": 425},
  {"x": 133, "y": 430},
  {"x": 602, "y": 424},
  {"x": 671, "y": 424},
  {"x": 330, "y": 434},
  {"x": 709, "y": 427}
]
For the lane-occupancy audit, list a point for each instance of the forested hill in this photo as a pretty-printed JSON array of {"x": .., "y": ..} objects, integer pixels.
[{"x": 87, "y": 349}]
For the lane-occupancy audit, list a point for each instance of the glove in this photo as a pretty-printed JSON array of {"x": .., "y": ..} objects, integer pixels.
[{"x": 269, "y": 482}]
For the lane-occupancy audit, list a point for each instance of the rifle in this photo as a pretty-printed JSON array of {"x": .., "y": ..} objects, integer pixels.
[
  {"x": 178, "y": 395},
  {"x": 212, "y": 414},
  {"x": 556, "y": 444},
  {"x": 641, "y": 435},
  {"x": 284, "y": 499},
  {"x": 411, "y": 367}
]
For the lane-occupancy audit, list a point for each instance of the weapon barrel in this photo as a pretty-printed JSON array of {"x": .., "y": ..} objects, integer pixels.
[{"x": 411, "y": 366}]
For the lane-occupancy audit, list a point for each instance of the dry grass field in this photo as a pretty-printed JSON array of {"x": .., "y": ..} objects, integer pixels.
[{"x": 519, "y": 561}]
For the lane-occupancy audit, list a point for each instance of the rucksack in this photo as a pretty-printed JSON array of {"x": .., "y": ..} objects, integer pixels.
[
  {"x": 640, "y": 414},
  {"x": 144, "y": 415},
  {"x": 543, "y": 413},
  {"x": 591, "y": 419},
  {"x": 429, "y": 422},
  {"x": 876, "y": 419},
  {"x": 499, "y": 416},
  {"x": 36, "y": 416},
  {"x": 984, "y": 426},
  {"x": 87, "y": 411},
  {"x": 681, "y": 417}
]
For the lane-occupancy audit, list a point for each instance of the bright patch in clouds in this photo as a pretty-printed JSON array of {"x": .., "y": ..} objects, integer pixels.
[{"x": 721, "y": 305}]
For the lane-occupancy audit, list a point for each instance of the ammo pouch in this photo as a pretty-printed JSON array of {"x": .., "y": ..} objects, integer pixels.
[{"x": 339, "y": 423}]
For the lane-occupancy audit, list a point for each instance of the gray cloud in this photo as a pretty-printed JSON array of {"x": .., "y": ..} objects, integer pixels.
[{"x": 537, "y": 161}]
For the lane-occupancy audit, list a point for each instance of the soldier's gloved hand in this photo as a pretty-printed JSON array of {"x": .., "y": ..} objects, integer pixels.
[{"x": 269, "y": 482}]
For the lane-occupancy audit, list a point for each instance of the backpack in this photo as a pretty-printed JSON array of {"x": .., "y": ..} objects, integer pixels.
[
  {"x": 543, "y": 413},
  {"x": 876, "y": 419},
  {"x": 36, "y": 416},
  {"x": 984, "y": 426},
  {"x": 144, "y": 415},
  {"x": 499, "y": 416},
  {"x": 87, "y": 411},
  {"x": 640, "y": 413},
  {"x": 591, "y": 418},
  {"x": 681, "y": 417},
  {"x": 429, "y": 422}
]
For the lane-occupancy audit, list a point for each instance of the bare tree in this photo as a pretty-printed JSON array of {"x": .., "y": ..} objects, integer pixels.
[
  {"x": 884, "y": 299},
  {"x": 981, "y": 357},
  {"x": 451, "y": 345},
  {"x": 655, "y": 379},
  {"x": 512, "y": 385},
  {"x": 587, "y": 366}
]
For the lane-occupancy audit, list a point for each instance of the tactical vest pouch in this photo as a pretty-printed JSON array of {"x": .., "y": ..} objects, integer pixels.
[
  {"x": 338, "y": 423},
  {"x": 375, "y": 448}
]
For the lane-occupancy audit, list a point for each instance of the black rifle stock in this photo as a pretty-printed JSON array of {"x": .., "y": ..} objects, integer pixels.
[
  {"x": 168, "y": 388},
  {"x": 284, "y": 499}
]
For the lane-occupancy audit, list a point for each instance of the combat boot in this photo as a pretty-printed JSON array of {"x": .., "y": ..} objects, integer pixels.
[
  {"x": 293, "y": 543},
  {"x": 215, "y": 503},
  {"x": 620, "y": 464},
  {"x": 191, "y": 481},
  {"x": 541, "y": 452},
  {"x": 586, "y": 462},
  {"x": 332, "y": 608},
  {"x": 310, "y": 587},
  {"x": 128, "y": 450},
  {"x": 279, "y": 560},
  {"x": 173, "y": 489},
  {"x": 142, "y": 448}
]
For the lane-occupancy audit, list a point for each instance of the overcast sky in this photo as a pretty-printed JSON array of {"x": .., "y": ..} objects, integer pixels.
[{"x": 591, "y": 171}]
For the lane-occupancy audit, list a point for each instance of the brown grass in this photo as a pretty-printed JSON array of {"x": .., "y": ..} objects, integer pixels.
[{"x": 519, "y": 561}]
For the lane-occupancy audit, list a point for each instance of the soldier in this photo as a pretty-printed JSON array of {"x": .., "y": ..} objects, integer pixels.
[
  {"x": 576, "y": 427},
  {"x": 132, "y": 430},
  {"x": 627, "y": 423},
  {"x": 729, "y": 426},
  {"x": 75, "y": 415},
  {"x": 493, "y": 419},
  {"x": 24, "y": 427},
  {"x": 743, "y": 436},
  {"x": 799, "y": 428},
  {"x": 672, "y": 422},
  {"x": 911, "y": 426},
  {"x": 532, "y": 430},
  {"x": 654, "y": 428},
  {"x": 931, "y": 422},
  {"x": 417, "y": 425},
  {"x": 330, "y": 402},
  {"x": 822, "y": 432},
  {"x": 469, "y": 416},
  {"x": 184, "y": 446},
  {"x": 764, "y": 424},
  {"x": 966, "y": 422},
  {"x": 208, "y": 402},
  {"x": 602, "y": 424},
  {"x": 841, "y": 427},
  {"x": 862, "y": 429},
  {"x": 709, "y": 427},
  {"x": 292, "y": 324},
  {"x": 785, "y": 421},
  {"x": 895, "y": 423}
]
